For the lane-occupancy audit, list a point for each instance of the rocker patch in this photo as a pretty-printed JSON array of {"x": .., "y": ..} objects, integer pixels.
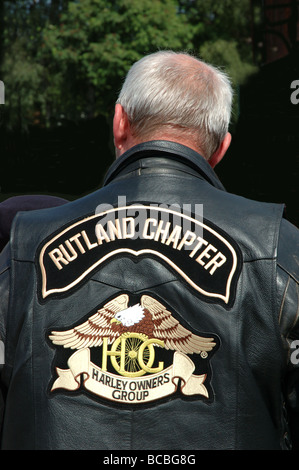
[
  {"x": 200, "y": 253},
  {"x": 135, "y": 354}
]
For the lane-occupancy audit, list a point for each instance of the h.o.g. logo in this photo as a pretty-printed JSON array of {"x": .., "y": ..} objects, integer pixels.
[{"x": 143, "y": 354}]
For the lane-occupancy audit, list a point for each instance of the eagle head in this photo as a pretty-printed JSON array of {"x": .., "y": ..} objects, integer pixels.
[{"x": 130, "y": 316}]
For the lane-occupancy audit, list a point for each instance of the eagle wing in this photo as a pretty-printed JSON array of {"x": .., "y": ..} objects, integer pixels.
[
  {"x": 174, "y": 335},
  {"x": 91, "y": 333}
]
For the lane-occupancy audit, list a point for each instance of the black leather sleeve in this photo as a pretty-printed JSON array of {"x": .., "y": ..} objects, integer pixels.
[
  {"x": 288, "y": 308},
  {"x": 4, "y": 301},
  {"x": 4, "y": 289}
]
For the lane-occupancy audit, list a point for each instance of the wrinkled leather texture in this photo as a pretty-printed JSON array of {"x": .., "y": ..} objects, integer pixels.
[{"x": 250, "y": 409}]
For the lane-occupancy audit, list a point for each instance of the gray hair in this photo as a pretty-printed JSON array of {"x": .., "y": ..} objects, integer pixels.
[{"x": 178, "y": 91}]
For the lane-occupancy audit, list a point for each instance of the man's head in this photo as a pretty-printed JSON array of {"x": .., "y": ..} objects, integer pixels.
[{"x": 174, "y": 96}]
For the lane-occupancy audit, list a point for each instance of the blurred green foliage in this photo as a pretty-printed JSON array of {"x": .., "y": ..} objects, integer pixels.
[{"x": 62, "y": 58}]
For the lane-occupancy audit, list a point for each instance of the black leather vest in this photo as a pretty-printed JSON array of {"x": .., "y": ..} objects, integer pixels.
[{"x": 143, "y": 316}]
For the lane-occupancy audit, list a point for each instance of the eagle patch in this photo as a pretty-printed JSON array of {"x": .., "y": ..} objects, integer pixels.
[{"x": 133, "y": 354}]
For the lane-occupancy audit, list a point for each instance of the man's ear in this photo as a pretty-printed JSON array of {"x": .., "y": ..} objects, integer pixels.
[
  {"x": 121, "y": 129},
  {"x": 221, "y": 151}
]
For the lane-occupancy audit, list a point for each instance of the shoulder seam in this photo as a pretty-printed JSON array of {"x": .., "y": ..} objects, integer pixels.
[{"x": 288, "y": 273}]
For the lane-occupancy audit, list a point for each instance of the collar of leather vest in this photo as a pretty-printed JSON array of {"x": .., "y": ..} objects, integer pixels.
[{"x": 161, "y": 153}]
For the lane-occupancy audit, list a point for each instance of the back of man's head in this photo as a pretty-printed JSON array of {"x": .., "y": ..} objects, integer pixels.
[{"x": 168, "y": 91}]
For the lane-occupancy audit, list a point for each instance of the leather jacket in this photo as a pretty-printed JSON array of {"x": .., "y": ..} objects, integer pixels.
[{"x": 159, "y": 312}]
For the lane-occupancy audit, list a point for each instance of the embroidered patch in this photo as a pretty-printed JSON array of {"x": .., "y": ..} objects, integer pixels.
[
  {"x": 135, "y": 354},
  {"x": 204, "y": 256}
]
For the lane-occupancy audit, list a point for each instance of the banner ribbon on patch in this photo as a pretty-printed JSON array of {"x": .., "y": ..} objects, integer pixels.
[
  {"x": 202, "y": 254},
  {"x": 121, "y": 389}
]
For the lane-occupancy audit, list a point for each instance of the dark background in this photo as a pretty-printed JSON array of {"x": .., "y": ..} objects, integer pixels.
[{"x": 262, "y": 162}]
